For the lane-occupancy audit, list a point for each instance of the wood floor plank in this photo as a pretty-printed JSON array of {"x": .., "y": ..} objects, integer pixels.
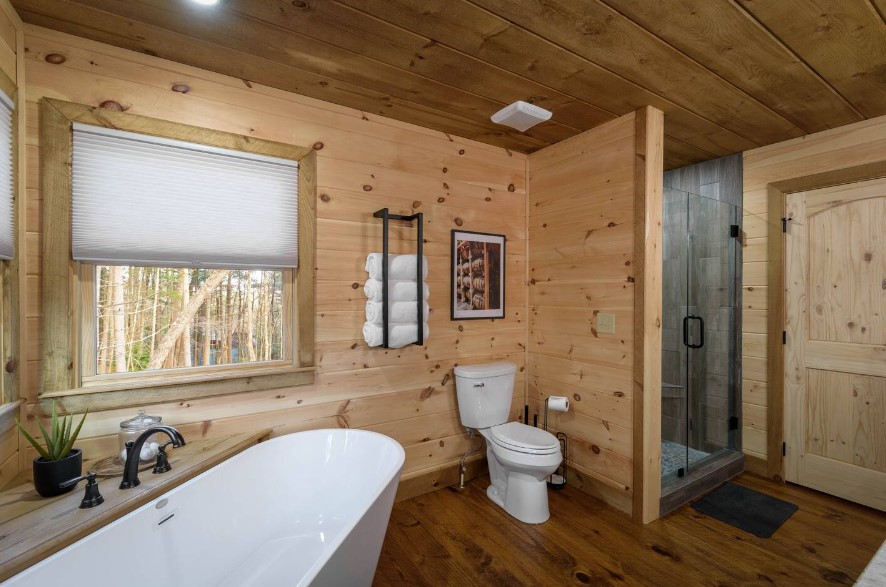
[{"x": 453, "y": 537}]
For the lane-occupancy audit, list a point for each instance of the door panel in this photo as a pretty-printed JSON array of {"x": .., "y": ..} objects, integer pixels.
[{"x": 835, "y": 358}]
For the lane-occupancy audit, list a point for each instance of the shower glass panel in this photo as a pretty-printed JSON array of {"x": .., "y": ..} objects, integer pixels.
[{"x": 701, "y": 353}]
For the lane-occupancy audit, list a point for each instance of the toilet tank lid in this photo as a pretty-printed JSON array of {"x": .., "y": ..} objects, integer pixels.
[{"x": 486, "y": 370}]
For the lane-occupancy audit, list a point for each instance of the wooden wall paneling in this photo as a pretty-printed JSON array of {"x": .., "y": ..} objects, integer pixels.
[
  {"x": 363, "y": 161},
  {"x": 648, "y": 194},
  {"x": 581, "y": 262},
  {"x": 842, "y": 41},
  {"x": 840, "y": 155}
]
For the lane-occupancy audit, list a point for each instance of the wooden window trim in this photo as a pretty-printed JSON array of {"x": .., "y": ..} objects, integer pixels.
[
  {"x": 9, "y": 270},
  {"x": 62, "y": 377}
]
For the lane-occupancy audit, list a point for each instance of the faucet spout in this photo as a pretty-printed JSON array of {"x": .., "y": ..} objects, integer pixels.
[{"x": 133, "y": 450}]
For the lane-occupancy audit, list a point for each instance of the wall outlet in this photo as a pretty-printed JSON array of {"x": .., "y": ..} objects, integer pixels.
[{"x": 605, "y": 323}]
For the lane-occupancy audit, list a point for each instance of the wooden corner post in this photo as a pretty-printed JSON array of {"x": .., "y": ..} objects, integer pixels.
[{"x": 648, "y": 188}]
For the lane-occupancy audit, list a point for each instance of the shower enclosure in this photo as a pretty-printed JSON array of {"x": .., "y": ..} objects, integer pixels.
[{"x": 701, "y": 345}]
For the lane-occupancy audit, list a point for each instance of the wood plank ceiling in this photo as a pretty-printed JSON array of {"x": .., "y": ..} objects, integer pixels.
[{"x": 729, "y": 74}]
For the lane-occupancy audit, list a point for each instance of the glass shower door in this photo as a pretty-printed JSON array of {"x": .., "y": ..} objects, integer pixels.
[
  {"x": 700, "y": 337},
  {"x": 708, "y": 328}
]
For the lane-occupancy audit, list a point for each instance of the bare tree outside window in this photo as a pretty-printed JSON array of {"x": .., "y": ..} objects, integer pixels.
[{"x": 151, "y": 318}]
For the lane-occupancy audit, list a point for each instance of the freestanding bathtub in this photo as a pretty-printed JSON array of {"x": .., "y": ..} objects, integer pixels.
[{"x": 309, "y": 508}]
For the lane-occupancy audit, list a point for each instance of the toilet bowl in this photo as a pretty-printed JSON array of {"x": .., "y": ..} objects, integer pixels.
[{"x": 520, "y": 457}]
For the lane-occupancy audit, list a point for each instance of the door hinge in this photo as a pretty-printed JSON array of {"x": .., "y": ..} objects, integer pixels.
[
  {"x": 733, "y": 423},
  {"x": 734, "y": 230},
  {"x": 784, "y": 449},
  {"x": 784, "y": 337},
  {"x": 784, "y": 223}
]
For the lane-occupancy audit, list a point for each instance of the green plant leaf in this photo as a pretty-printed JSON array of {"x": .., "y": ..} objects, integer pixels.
[
  {"x": 33, "y": 442},
  {"x": 50, "y": 446},
  {"x": 55, "y": 429},
  {"x": 68, "y": 422},
  {"x": 70, "y": 444}
]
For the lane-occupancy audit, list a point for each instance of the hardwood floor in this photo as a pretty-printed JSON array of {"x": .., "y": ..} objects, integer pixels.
[{"x": 452, "y": 537}]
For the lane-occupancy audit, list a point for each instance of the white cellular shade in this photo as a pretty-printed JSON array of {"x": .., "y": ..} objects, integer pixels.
[
  {"x": 142, "y": 200},
  {"x": 7, "y": 224}
]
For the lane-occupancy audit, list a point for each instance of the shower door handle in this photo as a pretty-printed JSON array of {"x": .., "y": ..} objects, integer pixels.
[{"x": 686, "y": 342}]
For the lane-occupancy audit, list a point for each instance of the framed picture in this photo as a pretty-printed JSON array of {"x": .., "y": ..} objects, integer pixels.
[{"x": 478, "y": 275}]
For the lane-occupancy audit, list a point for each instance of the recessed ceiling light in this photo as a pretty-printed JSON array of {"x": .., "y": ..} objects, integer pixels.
[
  {"x": 521, "y": 115},
  {"x": 206, "y": 2}
]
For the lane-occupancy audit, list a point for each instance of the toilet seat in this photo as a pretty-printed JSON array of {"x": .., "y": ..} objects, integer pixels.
[{"x": 524, "y": 439}]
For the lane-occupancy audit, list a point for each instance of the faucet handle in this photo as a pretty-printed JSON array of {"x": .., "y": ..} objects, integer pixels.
[
  {"x": 162, "y": 465},
  {"x": 91, "y": 497}
]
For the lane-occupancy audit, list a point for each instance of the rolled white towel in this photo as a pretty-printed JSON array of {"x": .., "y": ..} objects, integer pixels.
[
  {"x": 400, "y": 267},
  {"x": 399, "y": 312},
  {"x": 398, "y": 291},
  {"x": 399, "y": 335}
]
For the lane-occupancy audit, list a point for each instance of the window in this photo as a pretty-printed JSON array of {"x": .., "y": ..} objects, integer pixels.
[
  {"x": 189, "y": 253},
  {"x": 150, "y": 318}
]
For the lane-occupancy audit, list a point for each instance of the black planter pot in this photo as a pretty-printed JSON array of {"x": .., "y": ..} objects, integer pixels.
[{"x": 48, "y": 475}]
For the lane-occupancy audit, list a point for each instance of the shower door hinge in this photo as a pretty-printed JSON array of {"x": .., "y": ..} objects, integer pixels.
[
  {"x": 784, "y": 449},
  {"x": 733, "y": 423},
  {"x": 734, "y": 230},
  {"x": 784, "y": 337}
]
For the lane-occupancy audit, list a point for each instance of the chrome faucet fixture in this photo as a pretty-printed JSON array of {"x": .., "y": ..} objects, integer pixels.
[{"x": 133, "y": 450}]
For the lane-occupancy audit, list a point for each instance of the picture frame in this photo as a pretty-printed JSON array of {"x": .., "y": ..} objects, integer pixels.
[{"x": 477, "y": 287}]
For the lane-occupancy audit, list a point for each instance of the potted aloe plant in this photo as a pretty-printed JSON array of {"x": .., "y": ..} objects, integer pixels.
[{"x": 58, "y": 461}]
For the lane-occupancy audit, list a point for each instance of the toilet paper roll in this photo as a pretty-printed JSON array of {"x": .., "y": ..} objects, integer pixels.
[{"x": 558, "y": 403}]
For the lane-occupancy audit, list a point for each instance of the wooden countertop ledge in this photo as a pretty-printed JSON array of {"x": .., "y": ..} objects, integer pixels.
[{"x": 32, "y": 527}]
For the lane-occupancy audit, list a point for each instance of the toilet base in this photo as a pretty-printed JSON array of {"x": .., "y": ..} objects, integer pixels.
[{"x": 524, "y": 498}]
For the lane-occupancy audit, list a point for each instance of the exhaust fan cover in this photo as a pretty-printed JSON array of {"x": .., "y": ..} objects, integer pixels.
[{"x": 521, "y": 115}]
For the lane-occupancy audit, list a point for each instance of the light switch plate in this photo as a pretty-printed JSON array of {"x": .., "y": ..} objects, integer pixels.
[{"x": 605, "y": 323}]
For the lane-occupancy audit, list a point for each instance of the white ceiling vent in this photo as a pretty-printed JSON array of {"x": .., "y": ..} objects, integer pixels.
[{"x": 521, "y": 115}]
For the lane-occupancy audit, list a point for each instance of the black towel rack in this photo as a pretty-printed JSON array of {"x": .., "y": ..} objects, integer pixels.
[{"x": 419, "y": 273}]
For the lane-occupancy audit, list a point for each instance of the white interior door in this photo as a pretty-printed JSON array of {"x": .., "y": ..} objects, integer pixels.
[{"x": 835, "y": 361}]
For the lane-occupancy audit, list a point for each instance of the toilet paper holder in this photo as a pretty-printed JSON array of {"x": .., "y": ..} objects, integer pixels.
[{"x": 557, "y": 480}]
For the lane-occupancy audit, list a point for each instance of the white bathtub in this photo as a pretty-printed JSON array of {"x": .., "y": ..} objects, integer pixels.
[{"x": 305, "y": 509}]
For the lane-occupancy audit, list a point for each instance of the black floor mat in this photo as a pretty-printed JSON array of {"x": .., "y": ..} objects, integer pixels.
[{"x": 744, "y": 508}]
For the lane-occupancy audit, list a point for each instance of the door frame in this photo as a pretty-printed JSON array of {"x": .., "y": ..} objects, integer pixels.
[{"x": 777, "y": 193}]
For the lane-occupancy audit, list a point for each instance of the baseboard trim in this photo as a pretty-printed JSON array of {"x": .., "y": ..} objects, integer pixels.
[
  {"x": 756, "y": 466},
  {"x": 428, "y": 480},
  {"x": 618, "y": 498}
]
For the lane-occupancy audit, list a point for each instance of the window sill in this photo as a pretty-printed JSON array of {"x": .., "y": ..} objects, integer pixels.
[
  {"x": 8, "y": 414},
  {"x": 127, "y": 391}
]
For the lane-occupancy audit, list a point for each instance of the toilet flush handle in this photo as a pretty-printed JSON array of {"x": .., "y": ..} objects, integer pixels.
[{"x": 479, "y": 385}]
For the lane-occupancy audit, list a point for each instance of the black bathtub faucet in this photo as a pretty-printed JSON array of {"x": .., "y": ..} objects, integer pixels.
[{"x": 134, "y": 449}]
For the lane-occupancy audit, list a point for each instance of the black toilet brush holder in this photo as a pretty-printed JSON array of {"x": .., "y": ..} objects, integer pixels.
[{"x": 557, "y": 480}]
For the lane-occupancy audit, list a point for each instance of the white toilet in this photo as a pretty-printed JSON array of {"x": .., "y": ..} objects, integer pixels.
[{"x": 521, "y": 457}]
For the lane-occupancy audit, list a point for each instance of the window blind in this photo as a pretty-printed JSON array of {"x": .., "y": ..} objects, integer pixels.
[
  {"x": 143, "y": 200},
  {"x": 7, "y": 190}
]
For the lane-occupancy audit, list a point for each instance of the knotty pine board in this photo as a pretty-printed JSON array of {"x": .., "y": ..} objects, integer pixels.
[
  {"x": 581, "y": 247},
  {"x": 365, "y": 162}
]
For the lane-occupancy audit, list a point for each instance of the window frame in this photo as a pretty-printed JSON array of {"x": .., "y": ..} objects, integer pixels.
[
  {"x": 69, "y": 285},
  {"x": 10, "y": 310}
]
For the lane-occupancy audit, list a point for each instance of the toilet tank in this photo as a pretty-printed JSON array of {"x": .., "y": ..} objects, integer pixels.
[{"x": 484, "y": 393}]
